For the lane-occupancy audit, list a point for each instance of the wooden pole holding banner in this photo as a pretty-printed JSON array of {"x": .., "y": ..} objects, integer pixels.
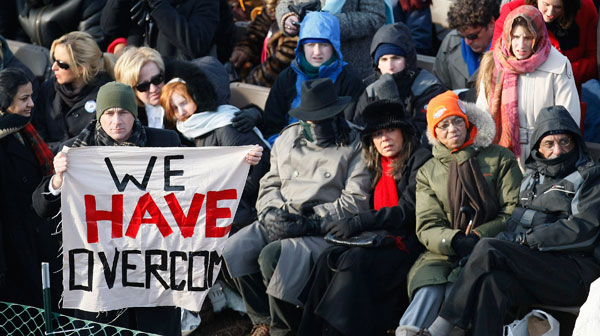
[{"x": 47, "y": 297}]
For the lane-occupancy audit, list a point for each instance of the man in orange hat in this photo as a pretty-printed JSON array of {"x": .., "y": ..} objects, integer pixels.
[{"x": 465, "y": 192}]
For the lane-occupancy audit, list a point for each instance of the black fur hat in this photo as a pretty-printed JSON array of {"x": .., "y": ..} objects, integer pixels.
[
  {"x": 382, "y": 114},
  {"x": 199, "y": 86}
]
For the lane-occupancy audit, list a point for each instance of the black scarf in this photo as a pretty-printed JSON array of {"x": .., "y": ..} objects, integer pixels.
[
  {"x": 557, "y": 167},
  {"x": 327, "y": 132},
  {"x": 94, "y": 135},
  {"x": 567, "y": 38},
  {"x": 67, "y": 96}
]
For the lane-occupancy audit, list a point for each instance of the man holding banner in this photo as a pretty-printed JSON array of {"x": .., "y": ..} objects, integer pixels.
[{"x": 137, "y": 231}]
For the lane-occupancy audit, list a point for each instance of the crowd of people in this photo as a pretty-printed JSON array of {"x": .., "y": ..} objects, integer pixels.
[{"x": 382, "y": 197}]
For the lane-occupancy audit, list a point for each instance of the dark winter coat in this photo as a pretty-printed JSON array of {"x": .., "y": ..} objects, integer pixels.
[
  {"x": 368, "y": 292},
  {"x": 416, "y": 86},
  {"x": 8, "y": 60},
  {"x": 57, "y": 123},
  {"x": 559, "y": 204},
  {"x": 55, "y": 18},
  {"x": 185, "y": 30},
  {"x": 25, "y": 238}
]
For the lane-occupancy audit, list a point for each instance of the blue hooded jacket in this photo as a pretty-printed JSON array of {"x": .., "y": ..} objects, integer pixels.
[{"x": 318, "y": 25}]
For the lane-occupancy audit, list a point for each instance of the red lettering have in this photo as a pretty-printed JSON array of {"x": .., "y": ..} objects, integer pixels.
[
  {"x": 93, "y": 215},
  {"x": 212, "y": 212},
  {"x": 186, "y": 224},
  {"x": 147, "y": 204}
]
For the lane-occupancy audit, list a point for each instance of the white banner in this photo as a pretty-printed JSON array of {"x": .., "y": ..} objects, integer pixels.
[{"x": 145, "y": 227}]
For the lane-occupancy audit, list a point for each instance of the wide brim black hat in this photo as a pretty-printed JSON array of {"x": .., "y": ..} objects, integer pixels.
[
  {"x": 382, "y": 114},
  {"x": 319, "y": 101}
]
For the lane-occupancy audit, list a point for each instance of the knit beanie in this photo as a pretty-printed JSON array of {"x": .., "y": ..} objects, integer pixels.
[
  {"x": 382, "y": 114},
  {"x": 443, "y": 106},
  {"x": 115, "y": 94},
  {"x": 387, "y": 49}
]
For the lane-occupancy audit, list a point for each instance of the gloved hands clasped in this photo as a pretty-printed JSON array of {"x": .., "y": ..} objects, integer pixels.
[{"x": 281, "y": 224}]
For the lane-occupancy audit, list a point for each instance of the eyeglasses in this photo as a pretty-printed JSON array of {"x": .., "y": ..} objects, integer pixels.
[
  {"x": 471, "y": 36},
  {"x": 156, "y": 80},
  {"x": 564, "y": 143},
  {"x": 61, "y": 64},
  {"x": 456, "y": 121}
]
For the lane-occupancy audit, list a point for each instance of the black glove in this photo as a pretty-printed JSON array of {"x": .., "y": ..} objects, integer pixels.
[
  {"x": 385, "y": 88},
  {"x": 281, "y": 224},
  {"x": 513, "y": 237},
  {"x": 345, "y": 228},
  {"x": 302, "y": 9},
  {"x": 140, "y": 12},
  {"x": 463, "y": 245},
  {"x": 244, "y": 120}
]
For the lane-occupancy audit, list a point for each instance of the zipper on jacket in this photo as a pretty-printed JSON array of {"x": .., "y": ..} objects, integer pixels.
[{"x": 37, "y": 24}]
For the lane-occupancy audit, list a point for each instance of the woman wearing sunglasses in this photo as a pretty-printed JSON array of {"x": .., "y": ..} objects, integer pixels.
[
  {"x": 67, "y": 101},
  {"x": 143, "y": 69},
  {"x": 522, "y": 74}
]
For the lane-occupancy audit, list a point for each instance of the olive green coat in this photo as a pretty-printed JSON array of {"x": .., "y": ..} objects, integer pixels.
[{"x": 438, "y": 264}]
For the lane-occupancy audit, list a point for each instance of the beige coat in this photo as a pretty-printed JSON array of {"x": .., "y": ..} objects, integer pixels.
[
  {"x": 301, "y": 172},
  {"x": 552, "y": 83}
]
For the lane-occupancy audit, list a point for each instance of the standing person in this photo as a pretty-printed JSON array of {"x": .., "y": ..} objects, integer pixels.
[
  {"x": 67, "y": 101},
  {"x": 549, "y": 254},
  {"x": 201, "y": 121},
  {"x": 25, "y": 238},
  {"x": 459, "y": 56},
  {"x": 318, "y": 55},
  {"x": 572, "y": 29},
  {"x": 362, "y": 291},
  {"x": 523, "y": 74},
  {"x": 394, "y": 55},
  {"x": 316, "y": 176},
  {"x": 181, "y": 29},
  {"x": 467, "y": 171}
]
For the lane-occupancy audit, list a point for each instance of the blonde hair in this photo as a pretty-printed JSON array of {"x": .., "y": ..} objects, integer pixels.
[
  {"x": 487, "y": 68},
  {"x": 167, "y": 91},
  {"x": 129, "y": 65},
  {"x": 85, "y": 57}
]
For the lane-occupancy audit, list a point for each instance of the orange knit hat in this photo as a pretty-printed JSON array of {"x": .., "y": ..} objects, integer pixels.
[{"x": 443, "y": 106}]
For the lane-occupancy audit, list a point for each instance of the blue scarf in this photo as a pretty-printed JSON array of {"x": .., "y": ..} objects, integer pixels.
[{"x": 471, "y": 58}]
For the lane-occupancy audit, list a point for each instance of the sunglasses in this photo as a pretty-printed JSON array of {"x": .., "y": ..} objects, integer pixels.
[
  {"x": 61, "y": 64},
  {"x": 471, "y": 36},
  {"x": 156, "y": 80}
]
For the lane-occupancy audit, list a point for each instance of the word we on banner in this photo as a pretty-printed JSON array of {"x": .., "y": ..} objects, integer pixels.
[{"x": 145, "y": 227}]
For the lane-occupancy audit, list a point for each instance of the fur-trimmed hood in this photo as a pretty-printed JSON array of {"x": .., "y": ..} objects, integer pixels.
[{"x": 482, "y": 120}]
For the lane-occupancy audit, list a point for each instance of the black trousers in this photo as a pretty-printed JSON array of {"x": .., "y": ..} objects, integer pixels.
[
  {"x": 502, "y": 274},
  {"x": 283, "y": 317}
]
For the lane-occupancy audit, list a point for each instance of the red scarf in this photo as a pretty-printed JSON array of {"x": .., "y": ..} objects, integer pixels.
[
  {"x": 386, "y": 190},
  {"x": 40, "y": 149},
  {"x": 504, "y": 100}
]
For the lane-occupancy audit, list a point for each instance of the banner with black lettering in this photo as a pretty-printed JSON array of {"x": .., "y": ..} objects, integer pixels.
[{"x": 145, "y": 227}]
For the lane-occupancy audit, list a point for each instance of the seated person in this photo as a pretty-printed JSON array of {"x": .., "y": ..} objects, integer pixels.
[
  {"x": 394, "y": 55},
  {"x": 316, "y": 175},
  {"x": 465, "y": 192},
  {"x": 457, "y": 60},
  {"x": 318, "y": 55},
  {"x": 362, "y": 291},
  {"x": 549, "y": 254}
]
